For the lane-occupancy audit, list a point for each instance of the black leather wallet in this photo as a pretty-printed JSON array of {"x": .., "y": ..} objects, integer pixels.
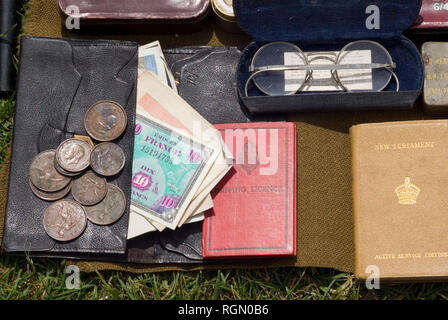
[
  {"x": 7, "y": 21},
  {"x": 206, "y": 78},
  {"x": 59, "y": 79}
]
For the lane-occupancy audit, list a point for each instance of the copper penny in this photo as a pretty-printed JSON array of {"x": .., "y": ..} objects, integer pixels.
[
  {"x": 105, "y": 121},
  {"x": 73, "y": 155},
  {"x": 65, "y": 220},
  {"x": 89, "y": 189},
  {"x": 43, "y": 174},
  {"x": 64, "y": 172},
  {"x": 110, "y": 210},
  {"x": 107, "y": 159},
  {"x": 50, "y": 196}
]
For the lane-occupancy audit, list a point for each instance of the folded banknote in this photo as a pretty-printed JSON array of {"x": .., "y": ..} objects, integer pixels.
[{"x": 163, "y": 113}]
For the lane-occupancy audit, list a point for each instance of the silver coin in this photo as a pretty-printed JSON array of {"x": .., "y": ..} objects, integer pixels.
[
  {"x": 73, "y": 155},
  {"x": 107, "y": 159},
  {"x": 110, "y": 210}
]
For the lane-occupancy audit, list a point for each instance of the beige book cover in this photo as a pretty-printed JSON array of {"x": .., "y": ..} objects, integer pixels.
[{"x": 400, "y": 190}]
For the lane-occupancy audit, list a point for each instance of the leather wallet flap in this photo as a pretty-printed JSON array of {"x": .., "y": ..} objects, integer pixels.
[
  {"x": 58, "y": 80},
  {"x": 8, "y": 30},
  {"x": 206, "y": 79}
]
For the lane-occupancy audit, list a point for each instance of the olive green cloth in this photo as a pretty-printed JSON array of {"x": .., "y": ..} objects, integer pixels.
[
  {"x": 4, "y": 178},
  {"x": 324, "y": 201}
]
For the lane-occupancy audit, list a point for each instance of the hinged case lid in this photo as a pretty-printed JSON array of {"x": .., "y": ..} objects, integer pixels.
[
  {"x": 433, "y": 16},
  {"x": 312, "y": 20},
  {"x": 157, "y": 11}
]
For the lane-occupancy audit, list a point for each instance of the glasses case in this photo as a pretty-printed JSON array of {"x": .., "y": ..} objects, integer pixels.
[
  {"x": 433, "y": 17},
  {"x": 137, "y": 12},
  {"x": 328, "y": 26}
]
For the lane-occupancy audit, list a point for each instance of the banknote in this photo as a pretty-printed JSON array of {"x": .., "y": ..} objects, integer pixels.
[
  {"x": 168, "y": 168},
  {"x": 198, "y": 215},
  {"x": 197, "y": 203},
  {"x": 171, "y": 109},
  {"x": 143, "y": 225},
  {"x": 156, "y": 100},
  {"x": 151, "y": 58},
  {"x": 146, "y": 102}
]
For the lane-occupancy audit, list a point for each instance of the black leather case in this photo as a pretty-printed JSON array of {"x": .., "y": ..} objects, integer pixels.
[
  {"x": 59, "y": 79},
  {"x": 7, "y": 21},
  {"x": 320, "y": 26},
  {"x": 206, "y": 78}
]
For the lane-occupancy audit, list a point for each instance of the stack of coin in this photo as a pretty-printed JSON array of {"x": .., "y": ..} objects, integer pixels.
[
  {"x": 45, "y": 181},
  {"x": 53, "y": 173},
  {"x": 72, "y": 157}
]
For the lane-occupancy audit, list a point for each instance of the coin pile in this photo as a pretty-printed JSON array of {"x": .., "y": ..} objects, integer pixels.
[{"x": 54, "y": 173}]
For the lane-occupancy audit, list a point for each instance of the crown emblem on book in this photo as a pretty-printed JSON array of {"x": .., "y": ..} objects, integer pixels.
[{"x": 407, "y": 193}]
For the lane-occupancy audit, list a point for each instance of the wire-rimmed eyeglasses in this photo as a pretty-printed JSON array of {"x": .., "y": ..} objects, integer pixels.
[{"x": 282, "y": 68}]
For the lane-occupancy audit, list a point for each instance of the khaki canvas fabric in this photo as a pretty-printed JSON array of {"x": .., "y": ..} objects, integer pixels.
[
  {"x": 324, "y": 184},
  {"x": 4, "y": 177}
]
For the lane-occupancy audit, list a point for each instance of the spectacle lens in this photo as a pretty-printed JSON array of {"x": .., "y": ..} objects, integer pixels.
[
  {"x": 279, "y": 82},
  {"x": 365, "y": 79}
]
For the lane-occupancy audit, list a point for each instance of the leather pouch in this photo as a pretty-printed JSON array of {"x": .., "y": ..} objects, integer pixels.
[
  {"x": 7, "y": 21},
  {"x": 59, "y": 79},
  {"x": 199, "y": 71}
]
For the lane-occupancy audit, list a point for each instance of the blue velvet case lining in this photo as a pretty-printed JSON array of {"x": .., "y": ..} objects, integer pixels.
[
  {"x": 329, "y": 25},
  {"x": 311, "y": 20},
  {"x": 404, "y": 53}
]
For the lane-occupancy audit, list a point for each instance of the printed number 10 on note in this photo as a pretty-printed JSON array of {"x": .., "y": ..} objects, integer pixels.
[{"x": 166, "y": 167}]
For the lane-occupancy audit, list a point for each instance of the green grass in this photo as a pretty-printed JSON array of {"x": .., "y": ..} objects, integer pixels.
[
  {"x": 45, "y": 279},
  {"x": 22, "y": 278},
  {"x": 6, "y": 123}
]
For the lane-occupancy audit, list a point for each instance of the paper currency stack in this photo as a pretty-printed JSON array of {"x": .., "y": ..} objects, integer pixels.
[{"x": 179, "y": 157}]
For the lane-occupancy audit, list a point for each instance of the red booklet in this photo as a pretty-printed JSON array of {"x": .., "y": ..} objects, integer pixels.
[{"x": 254, "y": 210}]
